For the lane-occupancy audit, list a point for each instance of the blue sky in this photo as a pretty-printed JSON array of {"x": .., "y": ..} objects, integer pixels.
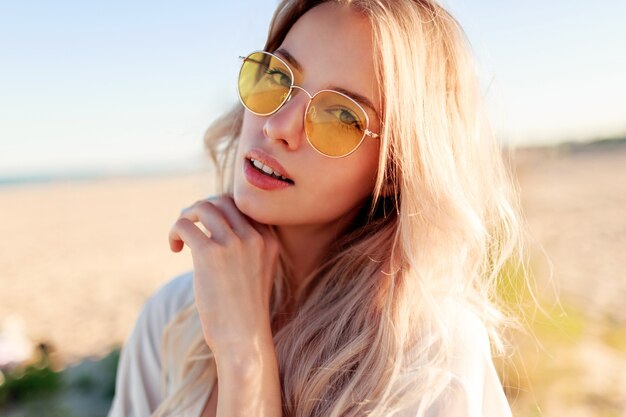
[{"x": 117, "y": 85}]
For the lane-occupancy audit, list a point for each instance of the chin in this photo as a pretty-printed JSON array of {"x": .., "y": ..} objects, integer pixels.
[{"x": 254, "y": 208}]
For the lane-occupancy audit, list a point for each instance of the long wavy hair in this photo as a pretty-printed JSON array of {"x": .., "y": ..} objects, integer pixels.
[{"x": 369, "y": 333}]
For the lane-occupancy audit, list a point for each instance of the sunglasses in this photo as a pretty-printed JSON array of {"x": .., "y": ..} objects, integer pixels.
[{"x": 334, "y": 123}]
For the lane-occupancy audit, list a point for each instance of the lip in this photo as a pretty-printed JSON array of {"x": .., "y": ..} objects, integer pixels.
[
  {"x": 261, "y": 180},
  {"x": 266, "y": 159}
]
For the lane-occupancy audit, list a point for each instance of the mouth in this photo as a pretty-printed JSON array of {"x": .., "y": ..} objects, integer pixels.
[{"x": 266, "y": 170}]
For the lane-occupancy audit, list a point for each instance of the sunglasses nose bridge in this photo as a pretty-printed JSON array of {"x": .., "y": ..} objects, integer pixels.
[
  {"x": 300, "y": 88},
  {"x": 306, "y": 110},
  {"x": 291, "y": 95},
  {"x": 308, "y": 104}
]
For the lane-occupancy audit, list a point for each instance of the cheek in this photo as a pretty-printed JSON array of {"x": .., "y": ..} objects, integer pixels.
[
  {"x": 343, "y": 184},
  {"x": 251, "y": 127},
  {"x": 339, "y": 191},
  {"x": 328, "y": 190},
  {"x": 254, "y": 204}
]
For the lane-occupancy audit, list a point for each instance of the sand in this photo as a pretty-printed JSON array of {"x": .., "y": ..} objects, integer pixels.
[
  {"x": 574, "y": 200},
  {"x": 78, "y": 260}
]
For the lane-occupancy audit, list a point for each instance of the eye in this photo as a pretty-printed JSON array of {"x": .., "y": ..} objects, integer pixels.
[
  {"x": 279, "y": 77},
  {"x": 346, "y": 116}
]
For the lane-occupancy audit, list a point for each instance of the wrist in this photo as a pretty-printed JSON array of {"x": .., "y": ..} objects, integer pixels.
[
  {"x": 246, "y": 352},
  {"x": 242, "y": 337},
  {"x": 247, "y": 362},
  {"x": 249, "y": 379}
]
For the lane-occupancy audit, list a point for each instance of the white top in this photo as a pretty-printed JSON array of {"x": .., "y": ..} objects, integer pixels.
[{"x": 138, "y": 392}]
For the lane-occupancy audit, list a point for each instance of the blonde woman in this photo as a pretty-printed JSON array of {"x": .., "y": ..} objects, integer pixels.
[{"x": 348, "y": 266}]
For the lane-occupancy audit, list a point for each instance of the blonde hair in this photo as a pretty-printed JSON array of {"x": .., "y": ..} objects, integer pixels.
[{"x": 369, "y": 333}]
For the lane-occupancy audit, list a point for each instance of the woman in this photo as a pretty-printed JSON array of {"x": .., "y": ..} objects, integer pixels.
[{"x": 348, "y": 267}]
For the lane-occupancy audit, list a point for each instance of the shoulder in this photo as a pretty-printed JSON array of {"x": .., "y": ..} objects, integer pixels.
[
  {"x": 160, "y": 308},
  {"x": 475, "y": 388},
  {"x": 472, "y": 386},
  {"x": 164, "y": 305},
  {"x": 469, "y": 340},
  {"x": 139, "y": 388},
  {"x": 171, "y": 297}
]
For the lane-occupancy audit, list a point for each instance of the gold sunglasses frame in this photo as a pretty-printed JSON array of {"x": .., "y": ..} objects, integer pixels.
[{"x": 289, "y": 95}]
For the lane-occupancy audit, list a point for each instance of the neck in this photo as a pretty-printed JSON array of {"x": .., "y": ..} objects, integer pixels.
[{"x": 305, "y": 245}]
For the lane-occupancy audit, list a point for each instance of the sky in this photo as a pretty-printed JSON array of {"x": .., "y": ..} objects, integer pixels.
[{"x": 122, "y": 85}]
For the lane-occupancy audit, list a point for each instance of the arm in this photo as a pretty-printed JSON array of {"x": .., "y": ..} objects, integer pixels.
[
  {"x": 249, "y": 382},
  {"x": 234, "y": 267}
]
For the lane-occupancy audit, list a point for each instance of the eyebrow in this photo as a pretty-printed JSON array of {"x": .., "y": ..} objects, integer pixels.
[
  {"x": 358, "y": 97},
  {"x": 289, "y": 58}
]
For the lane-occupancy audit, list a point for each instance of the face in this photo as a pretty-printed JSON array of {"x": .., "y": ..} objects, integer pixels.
[{"x": 332, "y": 45}]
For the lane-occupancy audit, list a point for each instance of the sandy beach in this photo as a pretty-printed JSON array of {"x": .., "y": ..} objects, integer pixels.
[
  {"x": 78, "y": 259},
  {"x": 574, "y": 200}
]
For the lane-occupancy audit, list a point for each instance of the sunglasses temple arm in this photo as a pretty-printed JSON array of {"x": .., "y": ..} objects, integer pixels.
[{"x": 371, "y": 134}]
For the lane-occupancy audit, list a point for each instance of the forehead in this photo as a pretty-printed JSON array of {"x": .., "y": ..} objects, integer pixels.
[{"x": 333, "y": 45}]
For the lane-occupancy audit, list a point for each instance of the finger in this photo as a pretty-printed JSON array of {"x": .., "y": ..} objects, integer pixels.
[
  {"x": 251, "y": 224},
  {"x": 261, "y": 228},
  {"x": 176, "y": 243},
  {"x": 239, "y": 222},
  {"x": 212, "y": 219},
  {"x": 184, "y": 232},
  {"x": 245, "y": 227}
]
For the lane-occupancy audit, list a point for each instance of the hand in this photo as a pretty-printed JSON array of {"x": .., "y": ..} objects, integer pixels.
[{"x": 234, "y": 265}]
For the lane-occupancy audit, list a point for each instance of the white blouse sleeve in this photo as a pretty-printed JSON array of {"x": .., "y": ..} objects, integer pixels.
[
  {"x": 138, "y": 390},
  {"x": 476, "y": 390}
]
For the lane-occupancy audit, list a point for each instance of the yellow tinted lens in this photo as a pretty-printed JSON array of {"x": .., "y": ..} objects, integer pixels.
[
  {"x": 335, "y": 124},
  {"x": 264, "y": 83}
]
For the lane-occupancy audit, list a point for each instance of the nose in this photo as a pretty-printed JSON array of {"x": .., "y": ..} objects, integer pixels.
[{"x": 287, "y": 124}]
